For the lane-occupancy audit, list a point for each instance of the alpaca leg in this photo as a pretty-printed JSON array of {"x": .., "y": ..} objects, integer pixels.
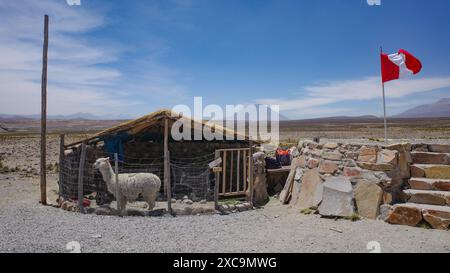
[
  {"x": 150, "y": 199},
  {"x": 121, "y": 203}
]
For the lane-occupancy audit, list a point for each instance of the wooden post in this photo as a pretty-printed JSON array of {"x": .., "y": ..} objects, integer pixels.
[
  {"x": 216, "y": 184},
  {"x": 116, "y": 170},
  {"x": 245, "y": 170},
  {"x": 80, "y": 178},
  {"x": 231, "y": 170},
  {"x": 238, "y": 188},
  {"x": 224, "y": 172},
  {"x": 251, "y": 172},
  {"x": 61, "y": 160},
  {"x": 167, "y": 186},
  {"x": 44, "y": 115}
]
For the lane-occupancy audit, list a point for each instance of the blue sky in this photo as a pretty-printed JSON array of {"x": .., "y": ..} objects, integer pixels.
[{"x": 313, "y": 58}]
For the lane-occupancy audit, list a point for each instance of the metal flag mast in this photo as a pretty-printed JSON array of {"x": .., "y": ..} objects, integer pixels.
[{"x": 384, "y": 102}]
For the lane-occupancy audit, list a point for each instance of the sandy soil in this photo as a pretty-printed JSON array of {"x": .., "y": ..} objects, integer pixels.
[
  {"x": 29, "y": 227},
  {"x": 26, "y": 226}
]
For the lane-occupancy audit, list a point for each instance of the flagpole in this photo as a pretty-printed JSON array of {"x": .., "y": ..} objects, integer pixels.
[{"x": 384, "y": 104}]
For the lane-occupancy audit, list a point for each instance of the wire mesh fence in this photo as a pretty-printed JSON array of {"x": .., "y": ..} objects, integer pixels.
[{"x": 190, "y": 176}]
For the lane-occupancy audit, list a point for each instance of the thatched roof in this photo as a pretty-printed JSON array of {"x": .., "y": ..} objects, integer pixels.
[{"x": 154, "y": 121}]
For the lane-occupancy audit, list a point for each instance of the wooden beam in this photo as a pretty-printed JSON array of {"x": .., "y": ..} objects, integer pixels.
[
  {"x": 80, "y": 178},
  {"x": 166, "y": 148},
  {"x": 238, "y": 170},
  {"x": 116, "y": 167},
  {"x": 167, "y": 186},
  {"x": 216, "y": 184},
  {"x": 224, "y": 171},
  {"x": 244, "y": 161},
  {"x": 231, "y": 170},
  {"x": 43, "y": 183},
  {"x": 231, "y": 149},
  {"x": 61, "y": 160},
  {"x": 251, "y": 172},
  {"x": 229, "y": 194}
]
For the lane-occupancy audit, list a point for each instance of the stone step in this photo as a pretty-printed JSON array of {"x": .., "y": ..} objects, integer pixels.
[
  {"x": 411, "y": 214},
  {"x": 439, "y": 148},
  {"x": 438, "y": 198},
  {"x": 430, "y": 158},
  {"x": 430, "y": 171},
  {"x": 417, "y": 183}
]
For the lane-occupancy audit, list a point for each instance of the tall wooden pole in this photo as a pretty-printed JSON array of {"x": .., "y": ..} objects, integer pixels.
[
  {"x": 384, "y": 103},
  {"x": 216, "y": 185},
  {"x": 167, "y": 186},
  {"x": 250, "y": 175},
  {"x": 61, "y": 161},
  {"x": 116, "y": 170},
  {"x": 44, "y": 115},
  {"x": 81, "y": 177}
]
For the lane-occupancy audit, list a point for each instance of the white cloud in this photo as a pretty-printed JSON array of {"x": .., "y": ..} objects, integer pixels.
[
  {"x": 80, "y": 77},
  {"x": 315, "y": 98},
  {"x": 370, "y": 88}
]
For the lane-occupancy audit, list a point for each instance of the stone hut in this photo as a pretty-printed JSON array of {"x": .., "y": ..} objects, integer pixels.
[{"x": 146, "y": 145}]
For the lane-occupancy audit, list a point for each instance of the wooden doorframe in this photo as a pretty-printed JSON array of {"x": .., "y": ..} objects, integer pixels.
[{"x": 239, "y": 176}]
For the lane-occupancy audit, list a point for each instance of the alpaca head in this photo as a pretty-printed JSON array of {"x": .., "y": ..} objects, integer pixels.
[{"x": 101, "y": 163}]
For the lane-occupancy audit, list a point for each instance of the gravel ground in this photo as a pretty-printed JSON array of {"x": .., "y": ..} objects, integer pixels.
[{"x": 25, "y": 226}]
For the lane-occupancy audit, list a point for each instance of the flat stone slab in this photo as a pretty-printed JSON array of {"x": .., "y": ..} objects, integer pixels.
[
  {"x": 430, "y": 158},
  {"x": 430, "y": 171},
  {"x": 388, "y": 157},
  {"x": 439, "y": 148},
  {"x": 368, "y": 197},
  {"x": 296, "y": 186},
  {"x": 379, "y": 167},
  {"x": 404, "y": 214},
  {"x": 311, "y": 190},
  {"x": 328, "y": 167},
  {"x": 445, "y": 210},
  {"x": 429, "y": 184},
  {"x": 368, "y": 154},
  {"x": 286, "y": 193},
  {"x": 439, "y": 198},
  {"x": 437, "y": 216},
  {"x": 337, "y": 199},
  {"x": 334, "y": 156}
]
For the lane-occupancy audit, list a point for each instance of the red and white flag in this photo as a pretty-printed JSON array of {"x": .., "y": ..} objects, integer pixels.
[{"x": 397, "y": 65}]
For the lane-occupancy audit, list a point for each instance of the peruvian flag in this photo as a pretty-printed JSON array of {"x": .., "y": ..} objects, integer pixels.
[{"x": 397, "y": 65}]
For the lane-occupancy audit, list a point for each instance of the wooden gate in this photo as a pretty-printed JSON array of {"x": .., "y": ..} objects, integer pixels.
[{"x": 234, "y": 175}]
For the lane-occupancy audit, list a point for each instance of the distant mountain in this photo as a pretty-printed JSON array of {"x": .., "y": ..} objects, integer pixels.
[
  {"x": 341, "y": 119},
  {"x": 439, "y": 109},
  {"x": 76, "y": 116},
  {"x": 269, "y": 114}
]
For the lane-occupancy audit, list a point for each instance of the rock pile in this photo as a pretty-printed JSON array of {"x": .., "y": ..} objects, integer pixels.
[
  {"x": 340, "y": 180},
  {"x": 428, "y": 196},
  {"x": 234, "y": 208},
  {"x": 355, "y": 177}
]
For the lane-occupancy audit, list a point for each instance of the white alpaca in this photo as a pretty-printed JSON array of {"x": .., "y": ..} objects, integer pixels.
[{"x": 130, "y": 185}]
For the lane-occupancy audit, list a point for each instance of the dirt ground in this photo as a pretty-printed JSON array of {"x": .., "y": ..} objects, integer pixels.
[{"x": 26, "y": 226}]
